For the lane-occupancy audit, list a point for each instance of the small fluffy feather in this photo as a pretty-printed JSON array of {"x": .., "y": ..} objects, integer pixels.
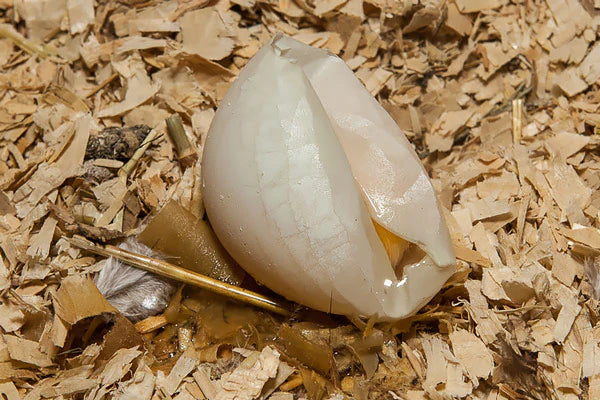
[{"x": 137, "y": 294}]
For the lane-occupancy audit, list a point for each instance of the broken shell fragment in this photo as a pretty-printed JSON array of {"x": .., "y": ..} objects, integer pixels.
[{"x": 315, "y": 191}]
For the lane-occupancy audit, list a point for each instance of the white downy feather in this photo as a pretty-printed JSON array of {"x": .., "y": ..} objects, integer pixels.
[{"x": 137, "y": 294}]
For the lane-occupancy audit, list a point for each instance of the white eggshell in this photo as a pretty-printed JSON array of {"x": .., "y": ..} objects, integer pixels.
[
  {"x": 392, "y": 178},
  {"x": 293, "y": 175}
]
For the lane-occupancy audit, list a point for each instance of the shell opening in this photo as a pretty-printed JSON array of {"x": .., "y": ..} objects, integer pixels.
[{"x": 400, "y": 251}]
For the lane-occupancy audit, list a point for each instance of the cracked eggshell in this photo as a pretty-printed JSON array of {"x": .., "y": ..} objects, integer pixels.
[
  {"x": 399, "y": 194},
  {"x": 298, "y": 159}
]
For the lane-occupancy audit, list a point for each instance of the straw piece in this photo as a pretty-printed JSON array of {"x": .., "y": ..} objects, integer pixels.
[
  {"x": 517, "y": 119},
  {"x": 102, "y": 85},
  {"x": 133, "y": 161},
  {"x": 186, "y": 152},
  {"x": 293, "y": 383},
  {"x": 20, "y": 41}
]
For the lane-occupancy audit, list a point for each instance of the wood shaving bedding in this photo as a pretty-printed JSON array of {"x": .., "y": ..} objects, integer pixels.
[{"x": 500, "y": 99}]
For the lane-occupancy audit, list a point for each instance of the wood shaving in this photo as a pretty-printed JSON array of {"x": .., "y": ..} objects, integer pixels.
[
  {"x": 206, "y": 34},
  {"x": 184, "y": 366},
  {"x": 246, "y": 381},
  {"x": 116, "y": 368},
  {"x": 26, "y": 351},
  {"x": 11, "y": 317},
  {"x": 472, "y": 354},
  {"x": 78, "y": 298},
  {"x": 139, "y": 90}
]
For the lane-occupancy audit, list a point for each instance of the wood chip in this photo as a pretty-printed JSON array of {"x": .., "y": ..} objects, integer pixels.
[
  {"x": 458, "y": 22},
  {"x": 569, "y": 311},
  {"x": 202, "y": 378},
  {"x": 246, "y": 381},
  {"x": 206, "y": 34},
  {"x": 151, "y": 323},
  {"x": 40, "y": 244},
  {"x": 139, "y": 90},
  {"x": 9, "y": 391},
  {"x": 51, "y": 176},
  {"x": 183, "y": 367},
  {"x": 78, "y": 298},
  {"x": 499, "y": 98},
  {"x": 472, "y": 354},
  {"x": 81, "y": 14},
  {"x": 139, "y": 43},
  {"x": 27, "y": 351},
  {"x": 12, "y": 317},
  {"x": 118, "y": 365},
  {"x": 469, "y": 6}
]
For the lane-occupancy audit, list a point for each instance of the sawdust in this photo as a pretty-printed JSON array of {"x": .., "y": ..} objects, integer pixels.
[{"x": 499, "y": 98}]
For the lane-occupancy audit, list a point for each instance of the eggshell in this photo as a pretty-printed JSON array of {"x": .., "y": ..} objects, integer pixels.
[{"x": 298, "y": 159}]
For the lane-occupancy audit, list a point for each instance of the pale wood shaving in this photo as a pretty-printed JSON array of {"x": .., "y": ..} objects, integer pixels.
[
  {"x": 49, "y": 177},
  {"x": 11, "y": 317},
  {"x": 473, "y": 355},
  {"x": 139, "y": 90},
  {"x": 246, "y": 381},
  {"x": 39, "y": 245},
  {"x": 469, "y": 6},
  {"x": 499, "y": 98},
  {"x": 8, "y": 390},
  {"x": 205, "y": 33},
  {"x": 203, "y": 380},
  {"x": 184, "y": 366},
  {"x": 26, "y": 351},
  {"x": 81, "y": 14},
  {"x": 569, "y": 311}
]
